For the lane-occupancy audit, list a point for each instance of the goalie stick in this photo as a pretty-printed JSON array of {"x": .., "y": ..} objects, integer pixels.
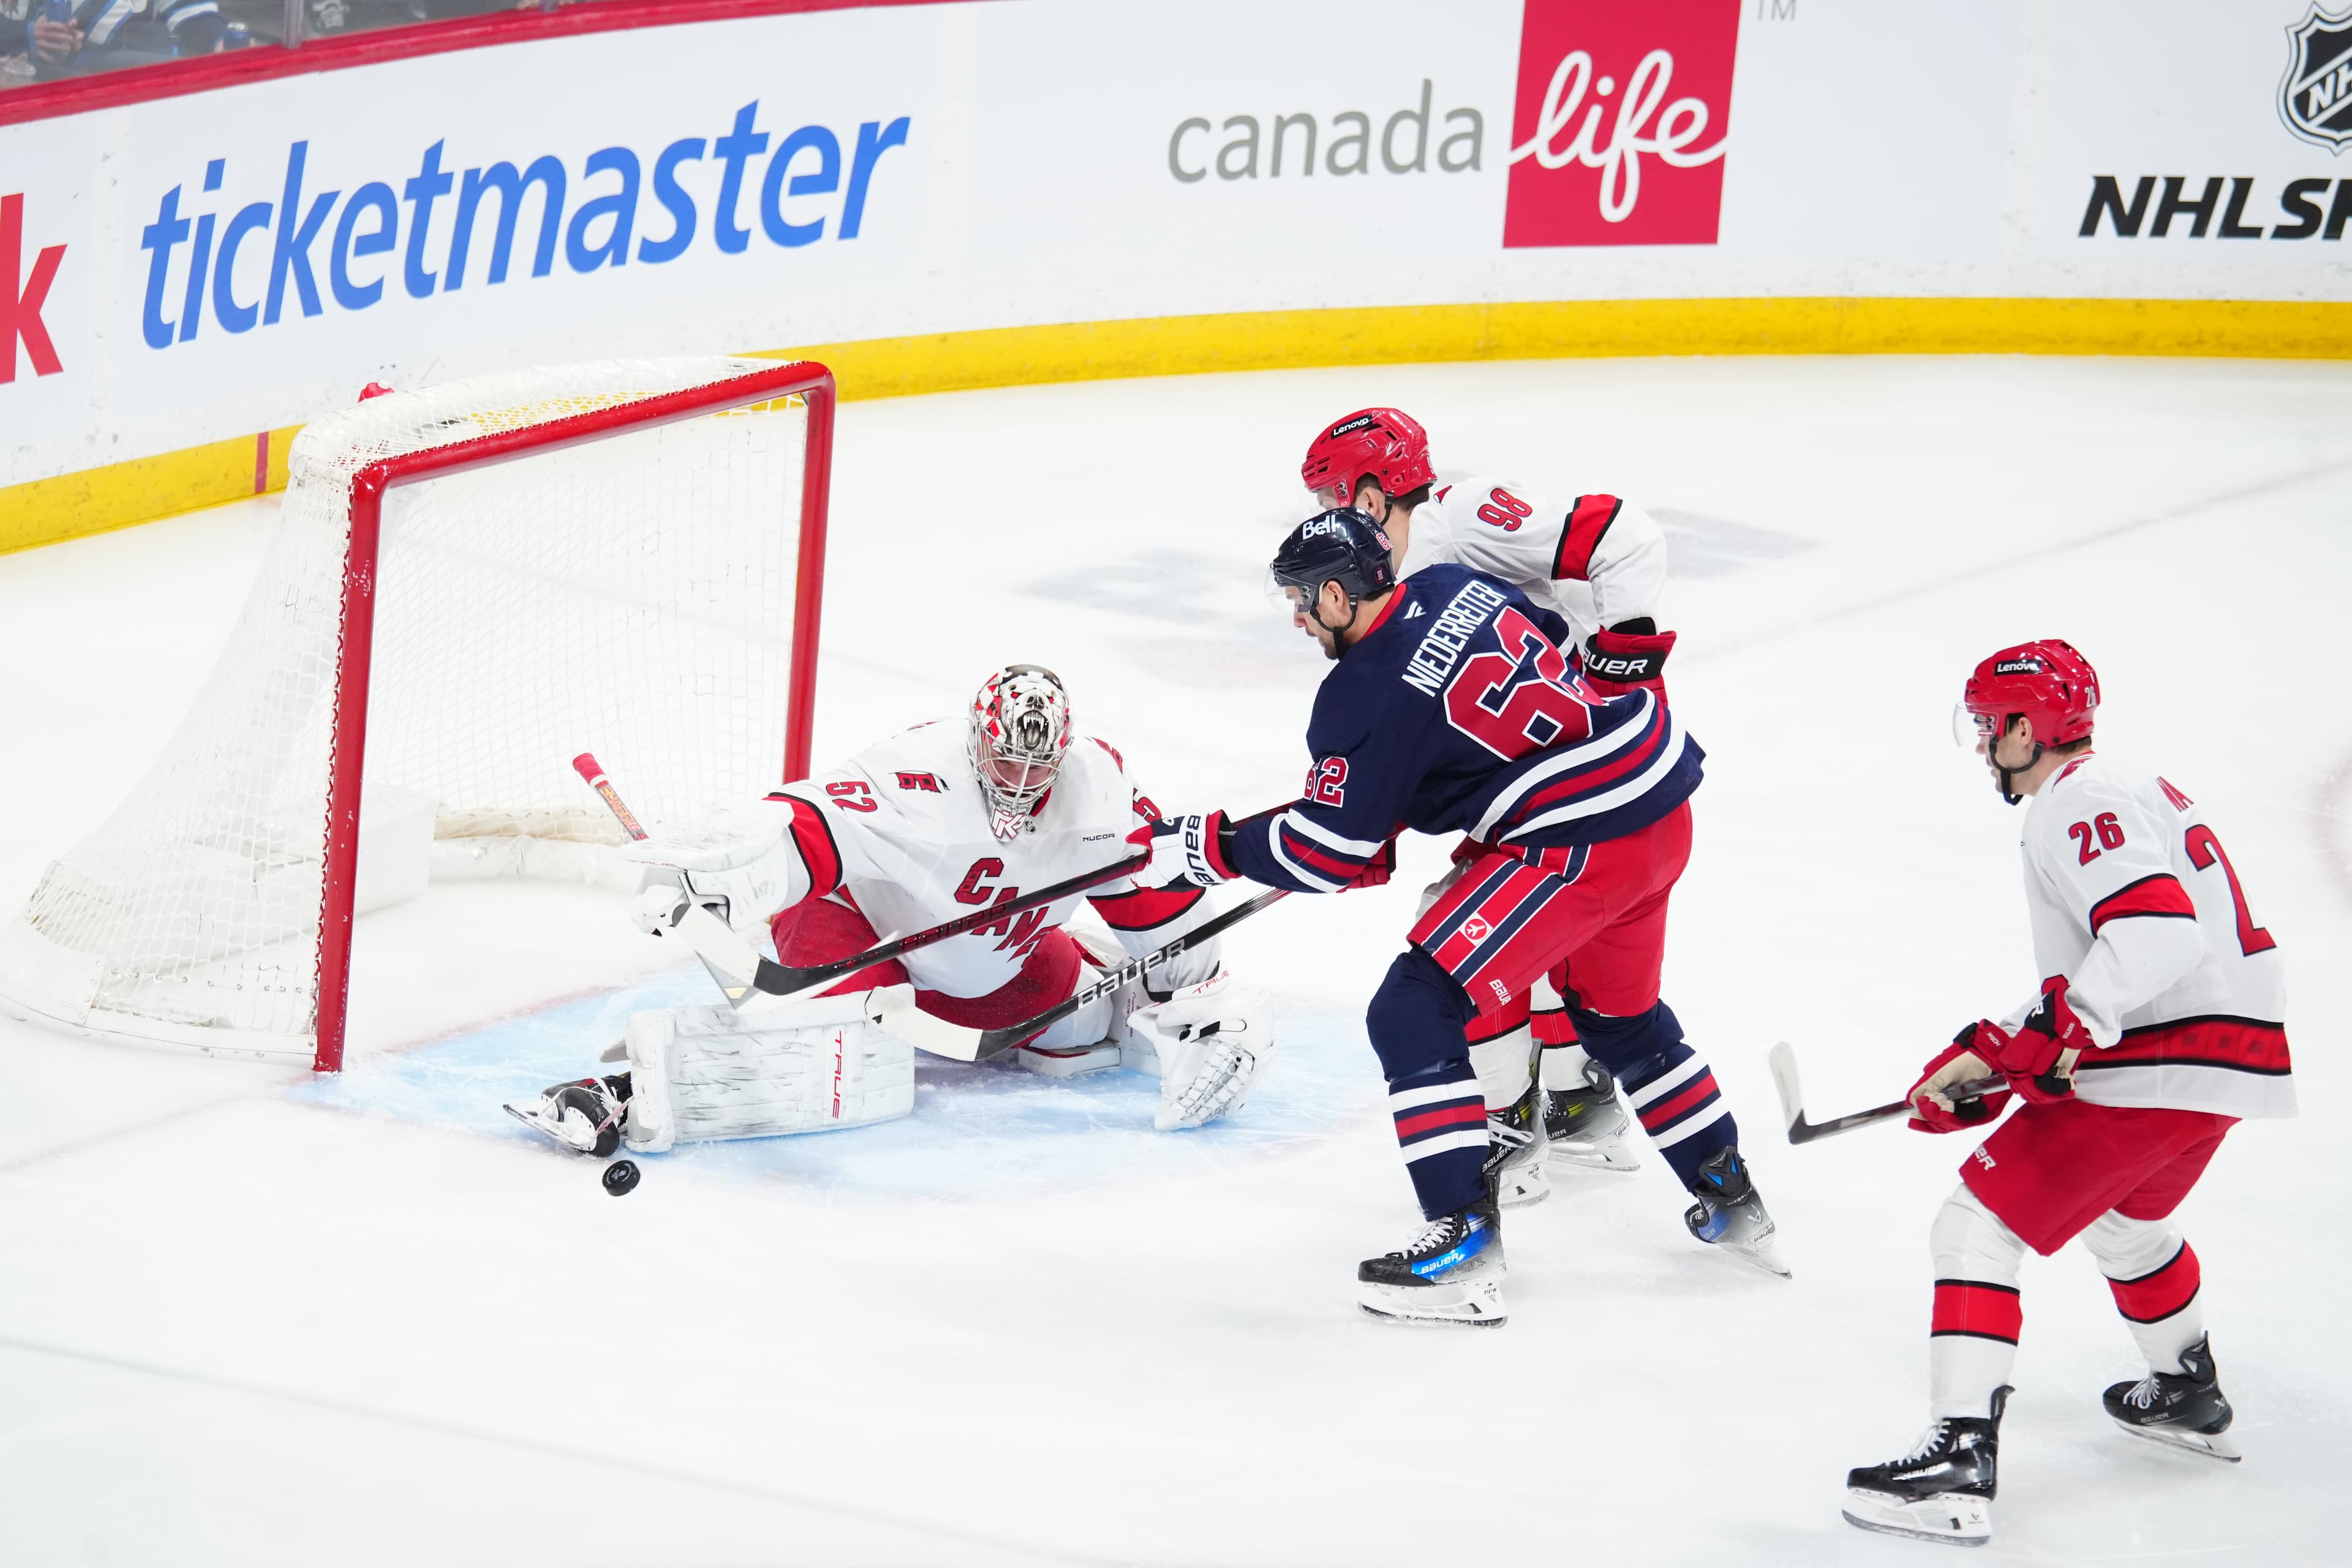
[
  {"x": 1792, "y": 1100},
  {"x": 741, "y": 969},
  {"x": 942, "y": 1038}
]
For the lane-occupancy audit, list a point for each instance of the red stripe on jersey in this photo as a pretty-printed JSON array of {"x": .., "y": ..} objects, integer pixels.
[
  {"x": 1968, "y": 1307},
  {"x": 1692, "y": 1093},
  {"x": 1329, "y": 862},
  {"x": 2242, "y": 1045},
  {"x": 2154, "y": 1297},
  {"x": 813, "y": 836},
  {"x": 1632, "y": 760},
  {"x": 2070, "y": 767},
  {"x": 1145, "y": 907},
  {"x": 1581, "y": 536},
  {"x": 2161, "y": 894},
  {"x": 1443, "y": 1116},
  {"x": 1106, "y": 746}
]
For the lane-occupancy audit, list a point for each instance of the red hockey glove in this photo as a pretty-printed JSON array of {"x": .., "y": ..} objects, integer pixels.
[
  {"x": 2034, "y": 1059},
  {"x": 1621, "y": 659},
  {"x": 1184, "y": 849},
  {"x": 1933, "y": 1107}
]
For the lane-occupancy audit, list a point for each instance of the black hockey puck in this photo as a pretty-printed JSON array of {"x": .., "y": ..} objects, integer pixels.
[{"x": 621, "y": 1177}]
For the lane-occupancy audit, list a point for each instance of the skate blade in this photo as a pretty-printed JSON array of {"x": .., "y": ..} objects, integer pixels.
[
  {"x": 1522, "y": 1188},
  {"x": 2210, "y": 1445},
  {"x": 1954, "y": 1520},
  {"x": 1613, "y": 1158},
  {"x": 1761, "y": 1255},
  {"x": 540, "y": 1125},
  {"x": 1478, "y": 1305}
]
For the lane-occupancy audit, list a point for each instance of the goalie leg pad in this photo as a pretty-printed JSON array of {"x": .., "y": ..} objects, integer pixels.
[{"x": 701, "y": 1073}]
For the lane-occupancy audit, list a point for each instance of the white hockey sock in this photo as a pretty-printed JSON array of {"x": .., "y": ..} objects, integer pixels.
[
  {"x": 1505, "y": 1065},
  {"x": 1972, "y": 1339},
  {"x": 2156, "y": 1279}
]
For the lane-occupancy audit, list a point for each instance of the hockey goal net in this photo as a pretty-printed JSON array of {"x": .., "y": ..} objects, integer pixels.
[{"x": 468, "y": 585}]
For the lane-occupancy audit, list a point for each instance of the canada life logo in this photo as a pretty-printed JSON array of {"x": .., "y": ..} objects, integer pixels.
[{"x": 1621, "y": 121}]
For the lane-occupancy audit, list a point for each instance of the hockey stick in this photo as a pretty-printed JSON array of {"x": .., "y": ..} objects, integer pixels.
[
  {"x": 712, "y": 939},
  {"x": 789, "y": 979},
  {"x": 1792, "y": 1100},
  {"x": 741, "y": 969},
  {"x": 942, "y": 1038}
]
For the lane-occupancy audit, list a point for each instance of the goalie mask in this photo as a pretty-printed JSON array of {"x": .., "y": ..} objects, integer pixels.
[{"x": 1020, "y": 731}]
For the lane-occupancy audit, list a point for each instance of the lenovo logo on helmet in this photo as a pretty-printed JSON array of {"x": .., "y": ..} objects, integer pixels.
[
  {"x": 1360, "y": 422},
  {"x": 2018, "y": 667}
]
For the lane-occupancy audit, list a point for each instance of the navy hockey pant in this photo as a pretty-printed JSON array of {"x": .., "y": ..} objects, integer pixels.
[{"x": 1592, "y": 918}]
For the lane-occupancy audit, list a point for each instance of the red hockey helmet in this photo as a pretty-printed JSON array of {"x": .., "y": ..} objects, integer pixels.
[
  {"x": 1381, "y": 443},
  {"x": 2045, "y": 681}
]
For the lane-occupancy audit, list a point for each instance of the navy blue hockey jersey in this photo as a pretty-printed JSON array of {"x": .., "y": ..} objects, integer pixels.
[{"x": 1458, "y": 713}]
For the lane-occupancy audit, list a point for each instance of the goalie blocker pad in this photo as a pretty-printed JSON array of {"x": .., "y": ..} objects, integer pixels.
[{"x": 701, "y": 1073}]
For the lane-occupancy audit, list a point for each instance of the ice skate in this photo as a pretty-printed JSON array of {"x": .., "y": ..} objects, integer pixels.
[
  {"x": 2184, "y": 1410},
  {"x": 1587, "y": 1129},
  {"x": 584, "y": 1115},
  {"x": 1729, "y": 1213},
  {"x": 1517, "y": 1165},
  {"x": 1941, "y": 1491},
  {"x": 1452, "y": 1273}
]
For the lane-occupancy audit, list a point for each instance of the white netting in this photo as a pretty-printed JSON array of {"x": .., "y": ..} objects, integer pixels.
[{"x": 633, "y": 594}]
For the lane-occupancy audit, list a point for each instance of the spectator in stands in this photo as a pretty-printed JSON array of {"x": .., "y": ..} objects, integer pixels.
[{"x": 74, "y": 37}]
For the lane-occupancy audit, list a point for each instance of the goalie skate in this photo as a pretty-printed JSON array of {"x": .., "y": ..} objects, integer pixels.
[{"x": 585, "y": 1115}]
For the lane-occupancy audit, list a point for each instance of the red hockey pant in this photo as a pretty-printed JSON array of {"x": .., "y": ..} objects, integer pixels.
[{"x": 819, "y": 930}]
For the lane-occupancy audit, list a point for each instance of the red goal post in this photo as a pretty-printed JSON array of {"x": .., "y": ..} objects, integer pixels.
[
  {"x": 801, "y": 378},
  {"x": 596, "y": 555}
]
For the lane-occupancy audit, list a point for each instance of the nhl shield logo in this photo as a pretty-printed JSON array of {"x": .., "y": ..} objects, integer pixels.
[{"x": 2315, "y": 95}]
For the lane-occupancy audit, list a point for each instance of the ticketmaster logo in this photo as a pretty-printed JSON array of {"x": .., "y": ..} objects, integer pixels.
[{"x": 443, "y": 228}]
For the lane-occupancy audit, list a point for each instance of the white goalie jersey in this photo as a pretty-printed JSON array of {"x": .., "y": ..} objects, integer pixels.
[
  {"x": 2134, "y": 904},
  {"x": 900, "y": 833},
  {"x": 1595, "y": 559}
]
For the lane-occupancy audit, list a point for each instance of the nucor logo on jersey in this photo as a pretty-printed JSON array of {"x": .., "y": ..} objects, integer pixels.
[{"x": 1594, "y": 87}]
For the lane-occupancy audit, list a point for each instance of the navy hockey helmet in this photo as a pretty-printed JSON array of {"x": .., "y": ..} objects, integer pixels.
[{"x": 1343, "y": 546}]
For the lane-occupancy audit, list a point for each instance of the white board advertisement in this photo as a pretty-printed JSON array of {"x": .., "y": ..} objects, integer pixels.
[{"x": 235, "y": 261}]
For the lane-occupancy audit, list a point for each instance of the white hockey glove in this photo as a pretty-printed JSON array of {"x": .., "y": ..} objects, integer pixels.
[
  {"x": 698, "y": 1074},
  {"x": 745, "y": 867},
  {"x": 1183, "y": 849},
  {"x": 1210, "y": 1054}
]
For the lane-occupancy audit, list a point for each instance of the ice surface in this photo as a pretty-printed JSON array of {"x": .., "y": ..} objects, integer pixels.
[{"x": 246, "y": 1318}]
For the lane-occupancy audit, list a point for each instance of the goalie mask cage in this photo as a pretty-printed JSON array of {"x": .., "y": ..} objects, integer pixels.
[{"x": 468, "y": 585}]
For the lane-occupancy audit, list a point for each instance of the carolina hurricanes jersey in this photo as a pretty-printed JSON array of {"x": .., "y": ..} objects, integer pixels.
[
  {"x": 899, "y": 831},
  {"x": 1592, "y": 560},
  {"x": 1457, "y": 712},
  {"x": 2135, "y": 903}
]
